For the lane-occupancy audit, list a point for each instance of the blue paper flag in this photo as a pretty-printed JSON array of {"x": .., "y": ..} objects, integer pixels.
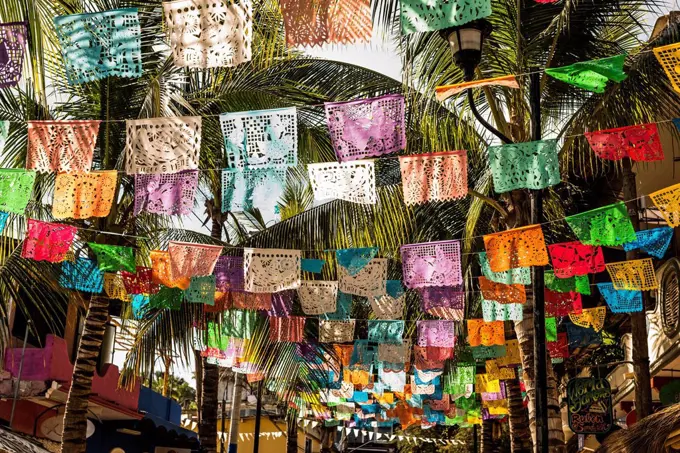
[
  {"x": 654, "y": 242},
  {"x": 621, "y": 301},
  {"x": 395, "y": 288},
  {"x": 312, "y": 265},
  {"x": 140, "y": 305},
  {"x": 390, "y": 332},
  {"x": 580, "y": 337},
  {"x": 83, "y": 275},
  {"x": 343, "y": 308},
  {"x": 355, "y": 259},
  {"x": 3, "y": 219}
]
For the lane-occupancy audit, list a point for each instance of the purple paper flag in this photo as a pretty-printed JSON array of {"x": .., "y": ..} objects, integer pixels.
[
  {"x": 229, "y": 274},
  {"x": 431, "y": 264},
  {"x": 282, "y": 304},
  {"x": 442, "y": 297},
  {"x": 12, "y": 47},
  {"x": 169, "y": 194},
  {"x": 367, "y": 127},
  {"x": 437, "y": 333}
]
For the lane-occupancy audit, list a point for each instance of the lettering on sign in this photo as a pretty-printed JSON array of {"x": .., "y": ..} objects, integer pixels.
[{"x": 589, "y": 403}]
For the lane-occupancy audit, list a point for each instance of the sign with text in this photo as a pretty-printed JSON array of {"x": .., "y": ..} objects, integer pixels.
[{"x": 589, "y": 403}]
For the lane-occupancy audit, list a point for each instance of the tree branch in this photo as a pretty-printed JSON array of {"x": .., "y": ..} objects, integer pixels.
[{"x": 494, "y": 204}]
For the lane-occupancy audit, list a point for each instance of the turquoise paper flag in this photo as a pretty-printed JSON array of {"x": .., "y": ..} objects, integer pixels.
[
  {"x": 312, "y": 265},
  {"x": 354, "y": 260},
  {"x": 82, "y": 275},
  {"x": 532, "y": 165},
  {"x": 98, "y": 45},
  {"x": 428, "y": 15}
]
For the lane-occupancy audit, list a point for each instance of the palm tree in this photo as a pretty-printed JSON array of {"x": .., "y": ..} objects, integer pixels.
[
  {"x": 527, "y": 35},
  {"x": 276, "y": 76}
]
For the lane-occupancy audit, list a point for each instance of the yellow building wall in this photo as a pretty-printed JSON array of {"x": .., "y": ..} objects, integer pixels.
[{"x": 267, "y": 444}]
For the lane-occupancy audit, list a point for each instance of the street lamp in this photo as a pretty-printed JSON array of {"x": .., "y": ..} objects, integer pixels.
[{"x": 467, "y": 43}]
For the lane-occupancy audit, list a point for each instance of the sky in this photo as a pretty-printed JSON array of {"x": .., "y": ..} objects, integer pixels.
[{"x": 380, "y": 56}]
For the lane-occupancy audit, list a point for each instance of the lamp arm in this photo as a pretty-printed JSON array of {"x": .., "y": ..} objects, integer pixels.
[{"x": 484, "y": 123}]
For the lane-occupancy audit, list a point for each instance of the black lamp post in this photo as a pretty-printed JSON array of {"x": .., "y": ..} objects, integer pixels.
[{"x": 467, "y": 42}]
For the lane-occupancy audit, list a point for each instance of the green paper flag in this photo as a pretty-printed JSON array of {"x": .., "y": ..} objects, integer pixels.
[
  {"x": 591, "y": 75},
  {"x": 113, "y": 258},
  {"x": 201, "y": 290},
  {"x": 16, "y": 187},
  {"x": 608, "y": 226},
  {"x": 239, "y": 323},
  {"x": 216, "y": 337},
  {"x": 550, "y": 329},
  {"x": 579, "y": 283}
]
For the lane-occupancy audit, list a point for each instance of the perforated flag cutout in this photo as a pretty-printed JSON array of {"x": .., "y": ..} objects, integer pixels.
[
  {"x": 192, "y": 260},
  {"x": 261, "y": 139},
  {"x": 502, "y": 293},
  {"x": 13, "y": 38},
  {"x": 621, "y": 301},
  {"x": 668, "y": 202},
  {"x": 590, "y": 317},
  {"x": 431, "y": 264},
  {"x": 84, "y": 195},
  {"x": 633, "y": 275},
  {"x": 520, "y": 247},
  {"x": 350, "y": 181},
  {"x": 209, "y": 33},
  {"x": 639, "y": 142},
  {"x": 82, "y": 275},
  {"x": 607, "y": 226},
  {"x": 317, "y": 296},
  {"x": 271, "y": 270},
  {"x": 532, "y": 165},
  {"x": 162, "y": 145},
  {"x": 326, "y": 22},
  {"x": 47, "y": 241},
  {"x": 591, "y": 75},
  {"x": 571, "y": 259},
  {"x": 168, "y": 194},
  {"x": 367, "y": 127},
  {"x": 482, "y": 333},
  {"x": 424, "y": 15},
  {"x": 669, "y": 58},
  {"x": 434, "y": 177},
  {"x": 16, "y": 187},
  {"x": 444, "y": 92},
  {"x": 257, "y": 188},
  {"x": 61, "y": 146},
  {"x": 98, "y": 45}
]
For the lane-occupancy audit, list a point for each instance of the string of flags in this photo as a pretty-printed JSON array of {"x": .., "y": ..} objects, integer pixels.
[{"x": 380, "y": 380}]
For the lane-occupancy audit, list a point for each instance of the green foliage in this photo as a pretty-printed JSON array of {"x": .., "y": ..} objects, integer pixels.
[{"x": 178, "y": 389}]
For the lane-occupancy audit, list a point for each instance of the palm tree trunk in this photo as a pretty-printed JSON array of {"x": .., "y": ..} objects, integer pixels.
[
  {"x": 519, "y": 418},
  {"x": 74, "y": 439},
  {"x": 235, "y": 417},
  {"x": 207, "y": 427},
  {"x": 327, "y": 440},
  {"x": 210, "y": 377},
  {"x": 487, "y": 437},
  {"x": 525, "y": 335},
  {"x": 292, "y": 434},
  {"x": 638, "y": 321}
]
